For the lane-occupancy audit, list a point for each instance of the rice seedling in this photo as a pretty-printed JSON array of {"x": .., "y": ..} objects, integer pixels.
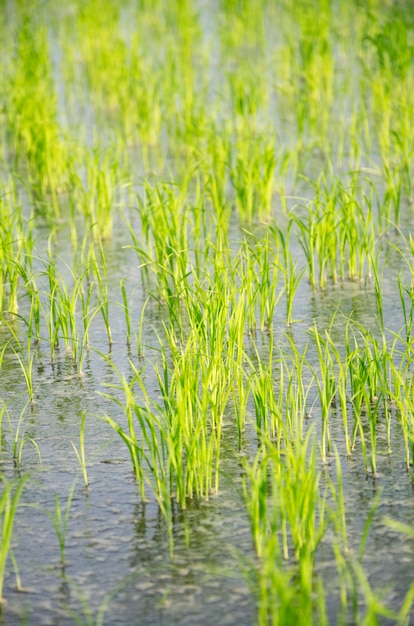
[
  {"x": 25, "y": 358},
  {"x": 67, "y": 304},
  {"x": 9, "y": 501},
  {"x": 125, "y": 305},
  {"x": 378, "y": 296},
  {"x": 406, "y": 284},
  {"x": 139, "y": 335},
  {"x": 60, "y": 519},
  {"x": 19, "y": 439},
  {"x": 34, "y": 322},
  {"x": 80, "y": 453}
]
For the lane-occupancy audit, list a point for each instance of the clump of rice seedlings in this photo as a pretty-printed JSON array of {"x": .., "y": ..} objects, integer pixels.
[
  {"x": 194, "y": 421},
  {"x": 279, "y": 484},
  {"x": 16, "y": 245},
  {"x": 9, "y": 501},
  {"x": 337, "y": 236},
  {"x": 364, "y": 381},
  {"x": 266, "y": 405},
  {"x": 406, "y": 286},
  {"x": 260, "y": 279},
  {"x": 34, "y": 321},
  {"x": 55, "y": 314},
  {"x": 32, "y": 130},
  {"x": 305, "y": 69},
  {"x": 307, "y": 239},
  {"x": 199, "y": 387},
  {"x": 290, "y": 517},
  {"x": 63, "y": 306},
  {"x": 388, "y": 77},
  {"x": 248, "y": 98},
  {"x": 242, "y": 30},
  {"x": 367, "y": 361},
  {"x": 139, "y": 335},
  {"x": 252, "y": 176},
  {"x": 129, "y": 437},
  {"x": 357, "y": 235},
  {"x": 175, "y": 444},
  {"x": 164, "y": 247},
  {"x": 214, "y": 168},
  {"x": 96, "y": 192},
  {"x": 100, "y": 69},
  {"x": 184, "y": 76},
  {"x": 249, "y": 284}
]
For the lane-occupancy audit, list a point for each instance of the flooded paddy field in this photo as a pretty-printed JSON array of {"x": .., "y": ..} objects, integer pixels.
[{"x": 207, "y": 300}]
